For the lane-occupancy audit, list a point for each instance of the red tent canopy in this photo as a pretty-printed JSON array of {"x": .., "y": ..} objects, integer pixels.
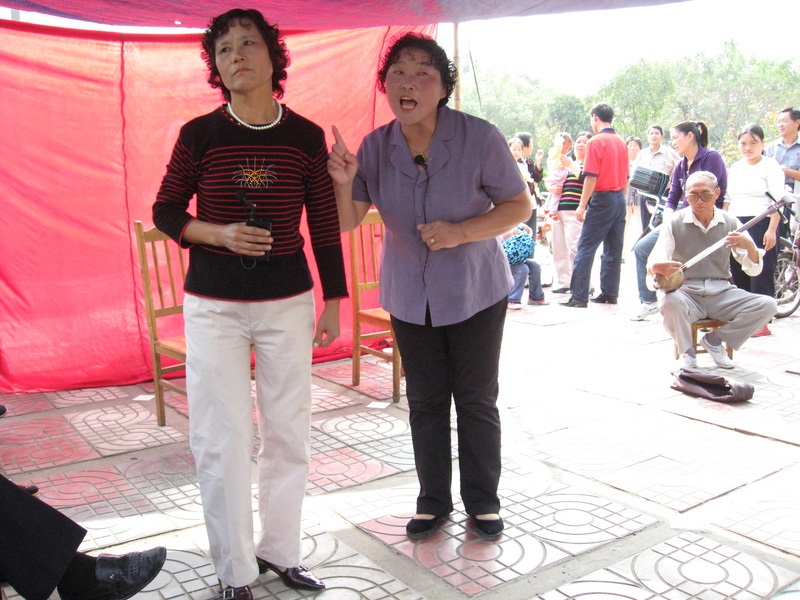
[{"x": 312, "y": 14}]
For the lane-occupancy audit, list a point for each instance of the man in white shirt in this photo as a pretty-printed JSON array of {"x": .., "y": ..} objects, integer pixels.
[
  {"x": 786, "y": 149},
  {"x": 706, "y": 292}
]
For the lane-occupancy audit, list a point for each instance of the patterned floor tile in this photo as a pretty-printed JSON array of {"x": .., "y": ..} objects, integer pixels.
[
  {"x": 686, "y": 566},
  {"x": 768, "y": 513},
  {"x": 547, "y": 524},
  {"x": 396, "y": 451},
  {"x": 343, "y": 468},
  {"x": 21, "y": 404},
  {"x": 42, "y": 443},
  {"x": 323, "y": 400},
  {"x": 376, "y": 376},
  {"x": 672, "y": 461},
  {"x": 88, "y": 396},
  {"x": 122, "y": 428},
  {"x": 362, "y": 427},
  {"x": 83, "y": 487}
]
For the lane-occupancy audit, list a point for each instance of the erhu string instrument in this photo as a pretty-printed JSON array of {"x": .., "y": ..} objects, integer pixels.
[{"x": 670, "y": 283}]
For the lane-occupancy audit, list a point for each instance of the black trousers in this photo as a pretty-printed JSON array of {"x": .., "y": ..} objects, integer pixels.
[
  {"x": 461, "y": 362},
  {"x": 36, "y": 542},
  {"x": 764, "y": 282}
]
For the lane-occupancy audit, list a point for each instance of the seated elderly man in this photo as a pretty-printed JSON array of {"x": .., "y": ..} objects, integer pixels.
[{"x": 706, "y": 292}]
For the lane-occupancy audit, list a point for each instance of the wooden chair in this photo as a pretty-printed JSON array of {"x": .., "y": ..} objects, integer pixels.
[
  {"x": 366, "y": 243},
  {"x": 711, "y": 324},
  {"x": 163, "y": 271}
]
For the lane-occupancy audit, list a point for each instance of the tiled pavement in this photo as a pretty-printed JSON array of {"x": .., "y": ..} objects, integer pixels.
[{"x": 614, "y": 485}]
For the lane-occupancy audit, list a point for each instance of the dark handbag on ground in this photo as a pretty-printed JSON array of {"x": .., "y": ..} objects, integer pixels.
[{"x": 711, "y": 386}]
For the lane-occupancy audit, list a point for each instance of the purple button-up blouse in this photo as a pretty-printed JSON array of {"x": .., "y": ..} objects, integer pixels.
[{"x": 469, "y": 167}]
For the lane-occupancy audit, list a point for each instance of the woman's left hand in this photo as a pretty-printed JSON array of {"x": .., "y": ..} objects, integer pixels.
[
  {"x": 440, "y": 234},
  {"x": 770, "y": 239},
  {"x": 328, "y": 328}
]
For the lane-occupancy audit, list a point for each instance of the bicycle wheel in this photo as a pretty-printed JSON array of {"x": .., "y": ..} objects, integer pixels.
[{"x": 787, "y": 282}]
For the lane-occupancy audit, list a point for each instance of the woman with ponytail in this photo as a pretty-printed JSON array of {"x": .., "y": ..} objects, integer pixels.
[{"x": 690, "y": 140}]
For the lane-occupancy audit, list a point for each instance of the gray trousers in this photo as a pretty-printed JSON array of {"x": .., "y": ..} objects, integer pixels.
[{"x": 718, "y": 299}]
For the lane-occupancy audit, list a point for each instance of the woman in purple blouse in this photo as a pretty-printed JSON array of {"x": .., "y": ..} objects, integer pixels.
[{"x": 446, "y": 187}]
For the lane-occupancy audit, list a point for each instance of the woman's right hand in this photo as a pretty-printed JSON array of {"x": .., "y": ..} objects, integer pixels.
[
  {"x": 243, "y": 239},
  {"x": 342, "y": 165}
]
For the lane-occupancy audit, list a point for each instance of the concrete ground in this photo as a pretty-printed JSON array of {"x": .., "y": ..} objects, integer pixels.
[{"x": 614, "y": 485}]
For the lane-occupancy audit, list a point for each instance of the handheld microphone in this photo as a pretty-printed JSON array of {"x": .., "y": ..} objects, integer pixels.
[
  {"x": 253, "y": 221},
  {"x": 420, "y": 160}
]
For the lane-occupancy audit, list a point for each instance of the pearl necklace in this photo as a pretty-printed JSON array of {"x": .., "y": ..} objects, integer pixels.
[{"x": 259, "y": 127}]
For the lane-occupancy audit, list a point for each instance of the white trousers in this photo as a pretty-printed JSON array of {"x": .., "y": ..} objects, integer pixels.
[
  {"x": 698, "y": 299},
  {"x": 219, "y": 334},
  {"x": 566, "y": 233}
]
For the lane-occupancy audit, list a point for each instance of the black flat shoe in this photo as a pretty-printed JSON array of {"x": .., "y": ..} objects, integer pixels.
[
  {"x": 604, "y": 299},
  {"x": 3, "y": 410},
  {"x": 419, "y": 529},
  {"x": 560, "y": 291},
  {"x": 120, "y": 577},
  {"x": 575, "y": 303},
  {"x": 488, "y": 529},
  {"x": 298, "y": 578}
]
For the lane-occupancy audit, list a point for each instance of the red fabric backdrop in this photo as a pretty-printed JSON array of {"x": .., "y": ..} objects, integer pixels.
[{"x": 89, "y": 123}]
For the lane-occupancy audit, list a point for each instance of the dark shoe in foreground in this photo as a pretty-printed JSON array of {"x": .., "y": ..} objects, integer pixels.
[
  {"x": 31, "y": 489},
  {"x": 488, "y": 529},
  {"x": 419, "y": 529},
  {"x": 239, "y": 593},
  {"x": 3, "y": 410},
  {"x": 294, "y": 577},
  {"x": 575, "y": 303},
  {"x": 604, "y": 299},
  {"x": 120, "y": 577}
]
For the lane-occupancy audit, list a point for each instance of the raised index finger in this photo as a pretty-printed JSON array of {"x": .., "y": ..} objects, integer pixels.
[{"x": 338, "y": 137}]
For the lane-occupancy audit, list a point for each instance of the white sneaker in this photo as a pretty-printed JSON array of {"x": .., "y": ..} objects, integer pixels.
[
  {"x": 645, "y": 310},
  {"x": 718, "y": 354},
  {"x": 687, "y": 361},
  {"x": 514, "y": 306}
]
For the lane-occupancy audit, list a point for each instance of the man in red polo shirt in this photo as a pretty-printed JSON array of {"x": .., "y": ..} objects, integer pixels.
[{"x": 602, "y": 209}]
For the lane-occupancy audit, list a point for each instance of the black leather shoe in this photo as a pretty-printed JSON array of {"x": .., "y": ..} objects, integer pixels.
[
  {"x": 488, "y": 529},
  {"x": 299, "y": 578},
  {"x": 560, "y": 291},
  {"x": 419, "y": 529},
  {"x": 604, "y": 299},
  {"x": 120, "y": 577},
  {"x": 3, "y": 410},
  {"x": 239, "y": 593},
  {"x": 31, "y": 489},
  {"x": 575, "y": 303}
]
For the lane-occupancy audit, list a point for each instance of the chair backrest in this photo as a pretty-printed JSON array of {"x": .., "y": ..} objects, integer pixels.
[
  {"x": 163, "y": 267},
  {"x": 366, "y": 246}
]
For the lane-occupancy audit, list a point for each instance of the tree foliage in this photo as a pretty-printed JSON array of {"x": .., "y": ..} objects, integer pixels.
[{"x": 726, "y": 91}]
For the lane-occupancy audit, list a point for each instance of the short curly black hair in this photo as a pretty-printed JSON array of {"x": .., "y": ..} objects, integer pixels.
[
  {"x": 417, "y": 41},
  {"x": 278, "y": 54}
]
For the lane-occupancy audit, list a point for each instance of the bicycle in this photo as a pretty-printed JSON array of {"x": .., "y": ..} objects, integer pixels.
[{"x": 787, "y": 272}]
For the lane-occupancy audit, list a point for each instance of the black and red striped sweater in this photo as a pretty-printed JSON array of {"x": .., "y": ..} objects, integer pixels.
[{"x": 282, "y": 170}]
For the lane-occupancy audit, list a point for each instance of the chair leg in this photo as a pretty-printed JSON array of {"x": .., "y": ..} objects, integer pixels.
[
  {"x": 356, "y": 354},
  {"x": 161, "y": 416}
]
